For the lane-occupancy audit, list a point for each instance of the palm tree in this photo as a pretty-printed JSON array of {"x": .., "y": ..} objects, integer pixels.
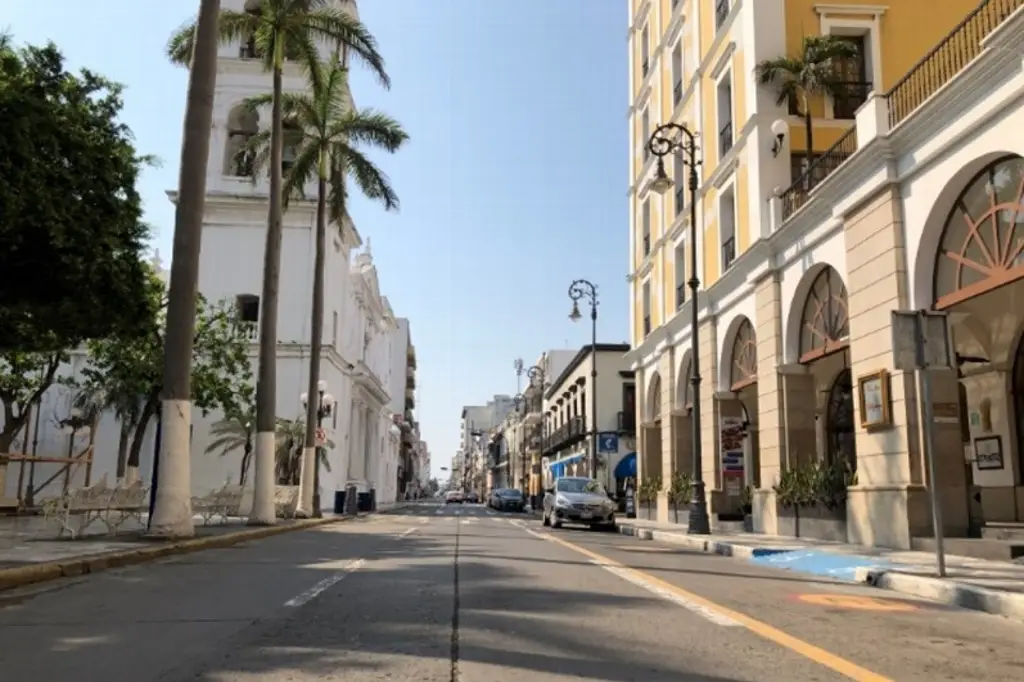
[
  {"x": 171, "y": 501},
  {"x": 812, "y": 74},
  {"x": 280, "y": 29},
  {"x": 326, "y": 137},
  {"x": 233, "y": 433},
  {"x": 288, "y": 451}
]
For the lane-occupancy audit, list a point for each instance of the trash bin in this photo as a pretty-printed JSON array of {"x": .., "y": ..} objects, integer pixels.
[
  {"x": 373, "y": 499},
  {"x": 339, "y": 501},
  {"x": 364, "y": 502},
  {"x": 351, "y": 500}
]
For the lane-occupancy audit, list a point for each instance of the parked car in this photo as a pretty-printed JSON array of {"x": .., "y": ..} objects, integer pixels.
[
  {"x": 472, "y": 498},
  {"x": 507, "y": 499},
  {"x": 577, "y": 499},
  {"x": 453, "y": 497}
]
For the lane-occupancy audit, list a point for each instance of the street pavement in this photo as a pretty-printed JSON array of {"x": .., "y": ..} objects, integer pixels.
[{"x": 438, "y": 593}]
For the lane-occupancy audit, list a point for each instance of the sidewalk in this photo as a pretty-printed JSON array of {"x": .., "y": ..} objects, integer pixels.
[{"x": 991, "y": 586}]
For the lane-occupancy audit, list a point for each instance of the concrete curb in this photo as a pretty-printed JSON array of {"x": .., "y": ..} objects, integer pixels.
[
  {"x": 950, "y": 593},
  {"x": 51, "y": 570},
  {"x": 702, "y": 544},
  {"x": 944, "y": 591}
]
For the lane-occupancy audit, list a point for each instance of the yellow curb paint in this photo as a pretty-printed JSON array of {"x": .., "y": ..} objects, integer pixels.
[
  {"x": 785, "y": 640},
  {"x": 52, "y": 570},
  {"x": 849, "y": 601}
]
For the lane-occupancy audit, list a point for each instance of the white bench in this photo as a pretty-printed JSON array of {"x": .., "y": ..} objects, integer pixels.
[
  {"x": 87, "y": 505},
  {"x": 221, "y": 503},
  {"x": 286, "y": 500},
  {"x": 126, "y": 503}
]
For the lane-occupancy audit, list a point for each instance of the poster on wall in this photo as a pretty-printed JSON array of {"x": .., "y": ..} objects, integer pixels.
[{"x": 731, "y": 434}]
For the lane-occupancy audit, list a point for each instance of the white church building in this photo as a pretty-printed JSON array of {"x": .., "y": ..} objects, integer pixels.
[{"x": 364, "y": 345}]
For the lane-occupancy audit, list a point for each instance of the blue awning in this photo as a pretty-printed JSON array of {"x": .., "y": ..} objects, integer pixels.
[
  {"x": 626, "y": 468},
  {"x": 557, "y": 468}
]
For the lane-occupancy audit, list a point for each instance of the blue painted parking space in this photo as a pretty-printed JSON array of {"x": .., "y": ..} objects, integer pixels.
[{"x": 817, "y": 562}]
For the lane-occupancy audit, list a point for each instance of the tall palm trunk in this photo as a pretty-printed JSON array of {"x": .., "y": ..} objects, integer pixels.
[
  {"x": 266, "y": 383},
  {"x": 310, "y": 457},
  {"x": 172, "y": 484}
]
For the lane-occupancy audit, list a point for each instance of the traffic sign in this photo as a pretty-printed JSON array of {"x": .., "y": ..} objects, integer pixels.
[{"x": 321, "y": 437}]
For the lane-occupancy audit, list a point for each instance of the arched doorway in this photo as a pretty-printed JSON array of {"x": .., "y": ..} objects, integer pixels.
[
  {"x": 682, "y": 422},
  {"x": 978, "y": 280},
  {"x": 742, "y": 382},
  {"x": 828, "y": 390},
  {"x": 651, "y": 442}
]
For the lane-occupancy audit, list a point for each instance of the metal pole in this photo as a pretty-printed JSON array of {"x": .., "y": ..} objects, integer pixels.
[
  {"x": 929, "y": 445},
  {"x": 699, "y": 523},
  {"x": 593, "y": 387},
  {"x": 317, "y": 511}
]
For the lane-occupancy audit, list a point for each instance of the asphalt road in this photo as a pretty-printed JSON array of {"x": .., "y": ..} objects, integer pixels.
[{"x": 442, "y": 594}]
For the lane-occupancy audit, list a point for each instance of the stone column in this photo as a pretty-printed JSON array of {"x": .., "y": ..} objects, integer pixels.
[
  {"x": 711, "y": 462},
  {"x": 888, "y": 506},
  {"x": 353, "y": 441},
  {"x": 667, "y": 371}
]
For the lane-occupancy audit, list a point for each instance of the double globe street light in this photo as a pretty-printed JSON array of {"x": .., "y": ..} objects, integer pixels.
[
  {"x": 582, "y": 288},
  {"x": 325, "y": 407},
  {"x": 672, "y": 138}
]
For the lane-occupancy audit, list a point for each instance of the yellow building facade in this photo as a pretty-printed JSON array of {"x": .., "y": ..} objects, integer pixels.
[{"x": 694, "y": 63}]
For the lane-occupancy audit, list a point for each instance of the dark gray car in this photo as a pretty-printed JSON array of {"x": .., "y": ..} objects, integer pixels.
[{"x": 576, "y": 499}]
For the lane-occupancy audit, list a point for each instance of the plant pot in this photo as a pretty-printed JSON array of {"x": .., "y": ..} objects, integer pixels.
[
  {"x": 748, "y": 523},
  {"x": 817, "y": 522}
]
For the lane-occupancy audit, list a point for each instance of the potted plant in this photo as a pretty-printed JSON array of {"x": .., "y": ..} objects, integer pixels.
[
  {"x": 648, "y": 493},
  {"x": 811, "y": 499},
  {"x": 680, "y": 492}
]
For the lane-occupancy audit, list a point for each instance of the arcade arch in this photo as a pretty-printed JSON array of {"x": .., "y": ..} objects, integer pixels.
[
  {"x": 243, "y": 125},
  {"x": 651, "y": 464},
  {"x": 738, "y": 410}
]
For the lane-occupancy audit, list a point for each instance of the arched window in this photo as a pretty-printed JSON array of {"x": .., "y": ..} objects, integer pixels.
[
  {"x": 248, "y": 47},
  {"x": 982, "y": 245},
  {"x": 243, "y": 124},
  {"x": 654, "y": 404},
  {"x": 825, "y": 325},
  {"x": 292, "y": 139},
  {"x": 743, "y": 370}
]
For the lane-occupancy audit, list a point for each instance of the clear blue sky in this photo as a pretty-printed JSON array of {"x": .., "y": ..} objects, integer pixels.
[{"x": 513, "y": 184}]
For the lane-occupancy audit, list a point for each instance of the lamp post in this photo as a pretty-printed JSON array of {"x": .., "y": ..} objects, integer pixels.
[
  {"x": 520, "y": 403},
  {"x": 672, "y": 138},
  {"x": 325, "y": 405},
  {"x": 581, "y": 288}
]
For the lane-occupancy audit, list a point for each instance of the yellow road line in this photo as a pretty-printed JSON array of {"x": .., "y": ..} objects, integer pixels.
[{"x": 805, "y": 649}]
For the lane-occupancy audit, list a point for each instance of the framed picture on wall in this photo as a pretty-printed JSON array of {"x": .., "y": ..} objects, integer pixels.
[
  {"x": 873, "y": 396},
  {"x": 988, "y": 453}
]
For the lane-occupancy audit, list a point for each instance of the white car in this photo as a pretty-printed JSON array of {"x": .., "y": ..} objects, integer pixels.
[{"x": 454, "y": 496}]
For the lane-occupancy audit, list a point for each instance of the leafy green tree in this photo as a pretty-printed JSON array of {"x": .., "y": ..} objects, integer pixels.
[
  {"x": 327, "y": 136},
  {"x": 24, "y": 378},
  {"x": 221, "y": 371},
  {"x": 278, "y": 30},
  {"x": 289, "y": 439},
  {"x": 813, "y": 74},
  {"x": 71, "y": 231}
]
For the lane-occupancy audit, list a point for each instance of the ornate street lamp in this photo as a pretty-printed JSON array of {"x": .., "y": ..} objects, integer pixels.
[
  {"x": 325, "y": 405},
  {"x": 672, "y": 138},
  {"x": 581, "y": 288}
]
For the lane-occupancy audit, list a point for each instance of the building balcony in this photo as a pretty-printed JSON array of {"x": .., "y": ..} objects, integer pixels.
[
  {"x": 410, "y": 382},
  {"x": 410, "y": 356},
  {"x": 410, "y": 400},
  {"x": 626, "y": 423},
  {"x": 568, "y": 434}
]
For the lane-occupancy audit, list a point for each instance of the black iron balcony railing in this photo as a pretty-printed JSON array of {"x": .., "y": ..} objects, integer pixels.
[
  {"x": 728, "y": 252},
  {"x": 948, "y": 58},
  {"x": 725, "y": 139},
  {"x": 645, "y": 66},
  {"x": 647, "y": 244},
  {"x": 849, "y": 98},
  {"x": 823, "y": 166},
  {"x": 677, "y": 92},
  {"x": 680, "y": 196},
  {"x": 721, "y": 13},
  {"x": 680, "y": 295},
  {"x": 627, "y": 422},
  {"x": 567, "y": 434},
  {"x": 647, "y": 325}
]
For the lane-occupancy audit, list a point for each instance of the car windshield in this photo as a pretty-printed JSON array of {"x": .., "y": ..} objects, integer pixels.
[
  {"x": 510, "y": 492},
  {"x": 580, "y": 485}
]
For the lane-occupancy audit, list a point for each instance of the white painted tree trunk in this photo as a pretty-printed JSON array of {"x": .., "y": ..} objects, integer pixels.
[
  {"x": 263, "y": 513},
  {"x": 172, "y": 511},
  {"x": 131, "y": 474},
  {"x": 307, "y": 475}
]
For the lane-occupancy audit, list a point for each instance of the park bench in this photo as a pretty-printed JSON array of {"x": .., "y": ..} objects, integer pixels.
[
  {"x": 78, "y": 508},
  {"x": 220, "y": 503},
  {"x": 286, "y": 500}
]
